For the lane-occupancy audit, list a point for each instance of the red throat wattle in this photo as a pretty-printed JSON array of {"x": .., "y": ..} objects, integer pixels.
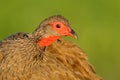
[{"x": 47, "y": 41}]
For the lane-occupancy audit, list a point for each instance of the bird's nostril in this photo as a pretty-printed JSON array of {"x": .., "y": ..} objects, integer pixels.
[{"x": 72, "y": 31}]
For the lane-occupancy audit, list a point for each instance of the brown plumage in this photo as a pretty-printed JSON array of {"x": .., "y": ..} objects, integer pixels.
[{"x": 23, "y": 57}]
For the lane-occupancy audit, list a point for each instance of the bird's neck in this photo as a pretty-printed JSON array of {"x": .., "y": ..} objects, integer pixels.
[
  {"x": 47, "y": 41},
  {"x": 45, "y": 35}
]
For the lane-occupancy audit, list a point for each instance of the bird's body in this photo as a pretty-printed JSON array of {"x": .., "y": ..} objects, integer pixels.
[{"x": 25, "y": 56}]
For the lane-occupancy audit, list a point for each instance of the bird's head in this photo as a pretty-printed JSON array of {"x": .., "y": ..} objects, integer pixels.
[{"x": 52, "y": 29}]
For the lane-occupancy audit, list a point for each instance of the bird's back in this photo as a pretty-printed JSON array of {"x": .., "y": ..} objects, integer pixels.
[{"x": 17, "y": 55}]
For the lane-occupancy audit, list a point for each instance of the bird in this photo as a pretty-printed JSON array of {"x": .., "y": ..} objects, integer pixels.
[{"x": 44, "y": 55}]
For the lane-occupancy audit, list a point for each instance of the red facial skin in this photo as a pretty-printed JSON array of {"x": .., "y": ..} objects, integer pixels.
[
  {"x": 63, "y": 29},
  {"x": 60, "y": 28}
]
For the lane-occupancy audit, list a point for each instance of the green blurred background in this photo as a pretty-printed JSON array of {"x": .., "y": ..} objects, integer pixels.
[{"x": 97, "y": 23}]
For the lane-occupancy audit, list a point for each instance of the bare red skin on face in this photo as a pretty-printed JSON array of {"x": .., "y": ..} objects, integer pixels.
[
  {"x": 47, "y": 41},
  {"x": 60, "y": 28},
  {"x": 63, "y": 29}
]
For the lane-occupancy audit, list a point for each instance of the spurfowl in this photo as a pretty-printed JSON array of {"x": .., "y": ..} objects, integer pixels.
[{"x": 42, "y": 55}]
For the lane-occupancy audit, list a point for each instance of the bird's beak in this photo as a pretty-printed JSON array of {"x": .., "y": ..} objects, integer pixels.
[{"x": 73, "y": 34}]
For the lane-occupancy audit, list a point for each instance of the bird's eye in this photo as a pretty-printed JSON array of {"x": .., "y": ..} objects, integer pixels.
[{"x": 58, "y": 26}]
